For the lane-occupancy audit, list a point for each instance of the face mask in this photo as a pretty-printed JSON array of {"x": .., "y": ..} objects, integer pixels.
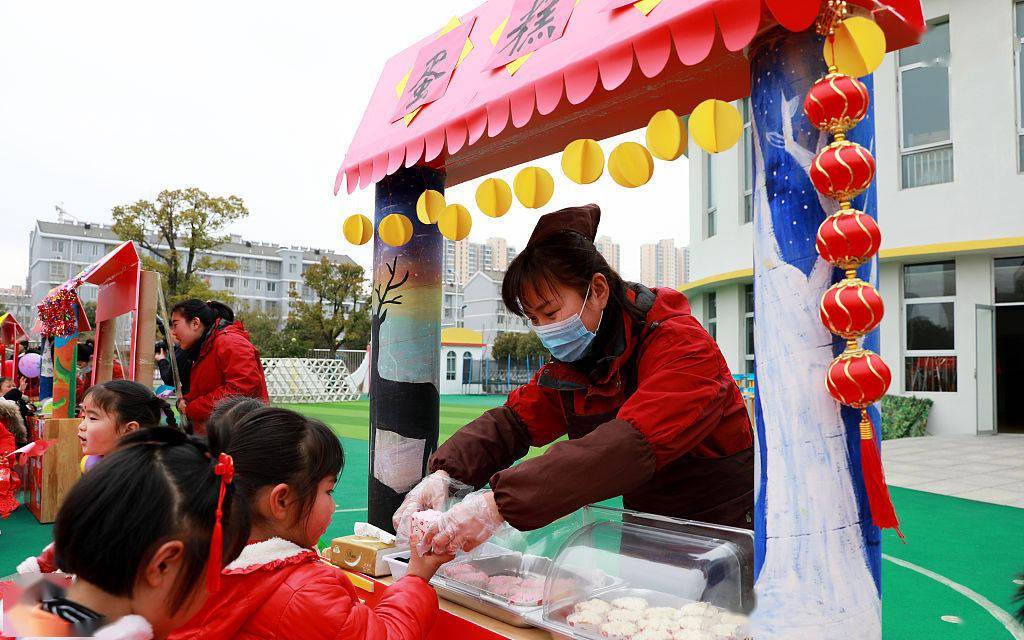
[{"x": 568, "y": 339}]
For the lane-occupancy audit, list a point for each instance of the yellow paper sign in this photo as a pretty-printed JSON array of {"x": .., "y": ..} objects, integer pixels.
[
  {"x": 715, "y": 125},
  {"x": 452, "y": 24},
  {"x": 534, "y": 187},
  {"x": 494, "y": 197},
  {"x": 857, "y": 48},
  {"x": 666, "y": 136},
  {"x": 395, "y": 230},
  {"x": 357, "y": 229},
  {"x": 583, "y": 161},
  {"x": 429, "y": 206},
  {"x": 455, "y": 222},
  {"x": 646, "y": 6},
  {"x": 631, "y": 165}
]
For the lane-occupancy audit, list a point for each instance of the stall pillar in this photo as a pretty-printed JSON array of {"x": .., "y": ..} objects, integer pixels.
[
  {"x": 406, "y": 338},
  {"x": 145, "y": 328},
  {"x": 817, "y": 553},
  {"x": 103, "y": 369},
  {"x": 65, "y": 364}
]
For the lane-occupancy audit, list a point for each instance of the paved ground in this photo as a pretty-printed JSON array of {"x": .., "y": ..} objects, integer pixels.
[
  {"x": 983, "y": 468},
  {"x": 952, "y": 580}
]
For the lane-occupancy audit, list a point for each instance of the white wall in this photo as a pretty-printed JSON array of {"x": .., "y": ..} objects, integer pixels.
[{"x": 449, "y": 387}]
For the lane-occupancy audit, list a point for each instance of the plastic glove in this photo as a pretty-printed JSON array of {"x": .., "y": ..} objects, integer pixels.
[
  {"x": 464, "y": 527},
  {"x": 430, "y": 493}
]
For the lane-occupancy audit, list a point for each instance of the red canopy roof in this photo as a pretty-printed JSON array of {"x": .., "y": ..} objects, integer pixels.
[{"x": 556, "y": 90}]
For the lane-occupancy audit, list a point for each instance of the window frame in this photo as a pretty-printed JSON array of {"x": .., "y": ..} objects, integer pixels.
[
  {"x": 711, "y": 322},
  {"x": 926, "y": 353},
  {"x": 710, "y": 218},
  {"x": 1018, "y": 45},
  {"x": 449, "y": 370},
  {"x": 748, "y": 315},
  {"x": 747, "y": 155}
]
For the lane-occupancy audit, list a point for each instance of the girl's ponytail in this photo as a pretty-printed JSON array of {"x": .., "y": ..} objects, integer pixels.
[{"x": 160, "y": 408}]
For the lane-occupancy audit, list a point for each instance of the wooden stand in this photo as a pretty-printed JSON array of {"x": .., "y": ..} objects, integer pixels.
[{"x": 52, "y": 475}]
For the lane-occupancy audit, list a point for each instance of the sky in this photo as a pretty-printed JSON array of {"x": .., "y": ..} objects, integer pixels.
[{"x": 108, "y": 102}]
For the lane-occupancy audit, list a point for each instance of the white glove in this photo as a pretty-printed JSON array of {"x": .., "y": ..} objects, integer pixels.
[
  {"x": 464, "y": 527},
  {"x": 430, "y": 493}
]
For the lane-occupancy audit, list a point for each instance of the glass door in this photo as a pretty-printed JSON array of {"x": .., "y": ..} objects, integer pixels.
[{"x": 985, "y": 368}]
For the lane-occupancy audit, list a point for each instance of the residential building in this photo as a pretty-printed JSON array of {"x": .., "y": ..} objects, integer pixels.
[
  {"x": 452, "y": 305},
  {"x": 610, "y": 250},
  {"x": 949, "y": 132},
  {"x": 484, "y": 310},
  {"x": 16, "y": 301},
  {"x": 264, "y": 275},
  {"x": 662, "y": 264},
  {"x": 463, "y": 259}
]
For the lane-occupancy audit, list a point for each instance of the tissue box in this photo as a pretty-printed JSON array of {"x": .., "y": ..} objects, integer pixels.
[{"x": 359, "y": 553}]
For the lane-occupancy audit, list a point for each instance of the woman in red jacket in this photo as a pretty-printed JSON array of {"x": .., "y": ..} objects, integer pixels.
[
  {"x": 641, "y": 389},
  {"x": 224, "y": 360},
  {"x": 286, "y": 466}
]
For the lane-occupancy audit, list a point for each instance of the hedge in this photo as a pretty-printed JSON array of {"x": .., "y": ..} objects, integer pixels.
[{"x": 904, "y": 416}]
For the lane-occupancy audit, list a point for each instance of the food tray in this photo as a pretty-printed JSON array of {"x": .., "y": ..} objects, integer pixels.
[{"x": 557, "y": 627}]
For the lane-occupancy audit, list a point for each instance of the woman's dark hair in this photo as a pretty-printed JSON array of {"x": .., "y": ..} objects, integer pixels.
[
  {"x": 84, "y": 351},
  {"x": 271, "y": 446},
  {"x": 158, "y": 485},
  {"x": 563, "y": 258},
  {"x": 131, "y": 402},
  {"x": 208, "y": 312}
]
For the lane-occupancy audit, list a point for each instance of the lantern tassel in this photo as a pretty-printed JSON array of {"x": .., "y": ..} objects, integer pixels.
[{"x": 883, "y": 514}]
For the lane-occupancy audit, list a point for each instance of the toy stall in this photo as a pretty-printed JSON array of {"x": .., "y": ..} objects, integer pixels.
[{"x": 516, "y": 80}]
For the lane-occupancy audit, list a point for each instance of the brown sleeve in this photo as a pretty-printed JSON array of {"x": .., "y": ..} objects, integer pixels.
[
  {"x": 483, "y": 447},
  {"x": 611, "y": 460}
]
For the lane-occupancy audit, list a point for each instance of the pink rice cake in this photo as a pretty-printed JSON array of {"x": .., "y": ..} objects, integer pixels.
[
  {"x": 421, "y": 520},
  {"x": 653, "y": 634},
  {"x": 587, "y": 619},
  {"x": 624, "y": 615},
  {"x": 594, "y": 604},
  {"x": 619, "y": 630}
]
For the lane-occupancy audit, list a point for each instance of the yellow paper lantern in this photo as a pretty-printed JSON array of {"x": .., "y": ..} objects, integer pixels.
[
  {"x": 583, "y": 161},
  {"x": 857, "y": 48},
  {"x": 357, "y": 229},
  {"x": 715, "y": 125},
  {"x": 395, "y": 229},
  {"x": 534, "y": 187},
  {"x": 455, "y": 222},
  {"x": 666, "y": 137},
  {"x": 429, "y": 206},
  {"x": 631, "y": 165},
  {"x": 494, "y": 197}
]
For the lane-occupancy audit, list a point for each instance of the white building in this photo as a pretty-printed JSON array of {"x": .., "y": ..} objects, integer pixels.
[
  {"x": 484, "y": 310},
  {"x": 662, "y": 264},
  {"x": 461, "y": 350},
  {"x": 264, "y": 276},
  {"x": 950, "y": 152},
  {"x": 16, "y": 301},
  {"x": 452, "y": 305},
  {"x": 610, "y": 250}
]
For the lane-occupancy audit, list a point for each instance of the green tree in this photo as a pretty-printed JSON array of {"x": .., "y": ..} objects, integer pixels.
[
  {"x": 272, "y": 341},
  {"x": 528, "y": 345},
  {"x": 326, "y": 317},
  {"x": 176, "y": 229},
  {"x": 504, "y": 346}
]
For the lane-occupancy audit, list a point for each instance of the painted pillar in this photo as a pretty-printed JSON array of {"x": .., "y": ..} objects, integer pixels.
[
  {"x": 817, "y": 553},
  {"x": 406, "y": 339},
  {"x": 65, "y": 364}
]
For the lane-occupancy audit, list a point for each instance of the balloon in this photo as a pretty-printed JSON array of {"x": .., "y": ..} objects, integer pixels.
[
  {"x": 494, "y": 197},
  {"x": 583, "y": 161},
  {"x": 357, "y": 229},
  {"x": 715, "y": 125},
  {"x": 666, "y": 136},
  {"x": 395, "y": 229},
  {"x": 28, "y": 365},
  {"x": 429, "y": 206}
]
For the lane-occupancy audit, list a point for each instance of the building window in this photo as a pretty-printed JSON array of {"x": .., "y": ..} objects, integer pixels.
[
  {"x": 710, "y": 209},
  {"x": 259, "y": 285},
  {"x": 450, "y": 366},
  {"x": 1019, "y": 8},
  {"x": 711, "y": 314},
  {"x": 58, "y": 270},
  {"x": 96, "y": 249},
  {"x": 467, "y": 367},
  {"x": 57, "y": 245},
  {"x": 748, "y": 164},
  {"x": 245, "y": 283},
  {"x": 271, "y": 287},
  {"x": 929, "y": 300},
  {"x": 291, "y": 268},
  {"x": 229, "y": 283},
  {"x": 748, "y": 326},
  {"x": 925, "y": 142},
  {"x": 1009, "y": 280}
]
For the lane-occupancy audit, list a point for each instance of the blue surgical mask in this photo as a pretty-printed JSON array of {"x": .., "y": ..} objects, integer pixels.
[{"x": 568, "y": 339}]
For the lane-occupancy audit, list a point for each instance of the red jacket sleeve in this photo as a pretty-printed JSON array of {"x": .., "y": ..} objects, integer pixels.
[
  {"x": 323, "y": 609},
  {"x": 540, "y": 409},
  {"x": 236, "y": 359},
  {"x": 45, "y": 562},
  {"x": 684, "y": 388}
]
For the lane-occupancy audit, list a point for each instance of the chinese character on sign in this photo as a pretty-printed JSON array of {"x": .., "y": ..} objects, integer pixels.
[
  {"x": 531, "y": 25},
  {"x": 432, "y": 71}
]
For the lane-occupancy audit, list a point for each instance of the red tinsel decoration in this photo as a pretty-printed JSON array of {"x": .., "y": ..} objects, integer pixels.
[{"x": 58, "y": 313}]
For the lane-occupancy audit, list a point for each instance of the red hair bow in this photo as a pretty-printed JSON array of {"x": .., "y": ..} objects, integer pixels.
[{"x": 225, "y": 468}]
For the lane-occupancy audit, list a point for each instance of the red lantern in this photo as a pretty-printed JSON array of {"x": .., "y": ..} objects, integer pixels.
[
  {"x": 848, "y": 238},
  {"x": 842, "y": 170},
  {"x": 851, "y": 308},
  {"x": 836, "y": 103},
  {"x": 858, "y": 378}
]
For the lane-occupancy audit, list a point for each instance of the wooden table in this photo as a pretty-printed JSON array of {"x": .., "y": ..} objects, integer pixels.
[{"x": 455, "y": 620}]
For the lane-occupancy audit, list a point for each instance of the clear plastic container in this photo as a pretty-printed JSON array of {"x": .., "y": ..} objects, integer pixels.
[{"x": 629, "y": 575}]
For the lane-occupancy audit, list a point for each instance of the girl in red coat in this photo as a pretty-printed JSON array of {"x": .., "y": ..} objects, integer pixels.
[
  {"x": 139, "y": 533},
  {"x": 224, "y": 361},
  {"x": 279, "y": 587}
]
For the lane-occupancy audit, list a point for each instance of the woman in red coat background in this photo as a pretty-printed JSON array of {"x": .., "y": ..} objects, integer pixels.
[
  {"x": 641, "y": 389},
  {"x": 224, "y": 361}
]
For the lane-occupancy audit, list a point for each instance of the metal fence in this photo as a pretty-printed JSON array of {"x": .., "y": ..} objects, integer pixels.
[{"x": 491, "y": 376}]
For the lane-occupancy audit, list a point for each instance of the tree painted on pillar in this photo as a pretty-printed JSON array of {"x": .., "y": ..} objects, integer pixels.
[{"x": 817, "y": 552}]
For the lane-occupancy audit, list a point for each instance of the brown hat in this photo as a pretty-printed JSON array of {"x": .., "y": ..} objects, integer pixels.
[{"x": 583, "y": 220}]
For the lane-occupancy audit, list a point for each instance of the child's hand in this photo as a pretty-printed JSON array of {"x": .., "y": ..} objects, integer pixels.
[{"x": 424, "y": 566}]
